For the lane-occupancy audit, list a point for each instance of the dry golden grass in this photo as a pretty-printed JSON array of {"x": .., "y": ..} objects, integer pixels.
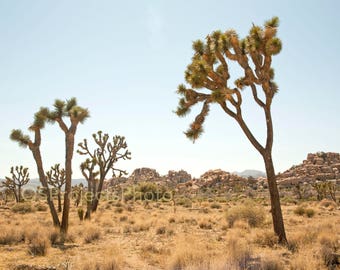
[{"x": 157, "y": 238}]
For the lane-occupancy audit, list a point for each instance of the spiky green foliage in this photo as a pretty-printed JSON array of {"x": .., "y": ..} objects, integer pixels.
[
  {"x": 18, "y": 136},
  {"x": 209, "y": 70},
  {"x": 68, "y": 108}
]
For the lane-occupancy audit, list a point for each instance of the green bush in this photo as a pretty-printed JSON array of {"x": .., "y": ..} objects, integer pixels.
[
  {"x": 147, "y": 191},
  {"x": 248, "y": 212},
  {"x": 23, "y": 208},
  {"x": 300, "y": 211},
  {"x": 310, "y": 212}
]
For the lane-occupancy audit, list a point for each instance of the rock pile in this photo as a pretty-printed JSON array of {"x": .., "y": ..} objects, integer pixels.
[
  {"x": 320, "y": 166},
  {"x": 178, "y": 177},
  {"x": 144, "y": 175}
]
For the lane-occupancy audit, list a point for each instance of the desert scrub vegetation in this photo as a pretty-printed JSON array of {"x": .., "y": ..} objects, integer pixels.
[
  {"x": 23, "y": 208},
  {"x": 91, "y": 234},
  {"x": 303, "y": 211},
  {"x": 157, "y": 238},
  {"x": 249, "y": 212},
  {"x": 38, "y": 246},
  {"x": 10, "y": 235}
]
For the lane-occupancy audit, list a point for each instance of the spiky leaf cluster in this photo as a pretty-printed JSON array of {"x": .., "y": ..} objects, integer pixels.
[
  {"x": 68, "y": 108},
  {"x": 18, "y": 136}
]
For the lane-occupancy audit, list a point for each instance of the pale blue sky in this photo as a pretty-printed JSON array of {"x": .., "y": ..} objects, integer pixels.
[{"x": 124, "y": 59}]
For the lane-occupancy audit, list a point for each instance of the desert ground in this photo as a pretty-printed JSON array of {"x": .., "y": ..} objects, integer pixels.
[{"x": 197, "y": 234}]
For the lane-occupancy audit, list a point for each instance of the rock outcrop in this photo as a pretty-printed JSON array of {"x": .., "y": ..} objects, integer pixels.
[
  {"x": 144, "y": 175},
  {"x": 178, "y": 177},
  {"x": 320, "y": 166}
]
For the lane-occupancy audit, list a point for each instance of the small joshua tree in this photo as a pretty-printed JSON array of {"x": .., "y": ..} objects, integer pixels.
[
  {"x": 56, "y": 178},
  {"x": 101, "y": 161},
  {"x": 88, "y": 170},
  {"x": 20, "y": 177},
  {"x": 9, "y": 188},
  {"x": 208, "y": 76}
]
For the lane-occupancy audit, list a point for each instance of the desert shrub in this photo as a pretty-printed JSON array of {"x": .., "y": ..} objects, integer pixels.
[
  {"x": 80, "y": 212},
  {"x": 215, "y": 205},
  {"x": 161, "y": 230},
  {"x": 141, "y": 227},
  {"x": 55, "y": 237},
  {"x": 271, "y": 264},
  {"x": 266, "y": 239},
  {"x": 41, "y": 207},
  {"x": 38, "y": 246},
  {"x": 91, "y": 234},
  {"x": 310, "y": 212},
  {"x": 110, "y": 263},
  {"x": 205, "y": 225},
  {"x": 185, "y": 202},
  {"x": 253, "y": 215},
  {"x": 238, "y": 253},
  {"x": 298, "y": 261},
  {"x": 119, "y": 210},
  {"x": 188, "y": 258},
  {"x": 23, "y": 208},
  {"x": 119, "y": 204},
  {"x": 145, "y": 191},
  {"x": 172, "y": 220},
  {"x": 9, "y": 236},
  {"x": 329, "y": 245},
  {"x": 123, "y": 218},
  {"x": 204, "y": 210},
  {"x": 300, "y": 211}
]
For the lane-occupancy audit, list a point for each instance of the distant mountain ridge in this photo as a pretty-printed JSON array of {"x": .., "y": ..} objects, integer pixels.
[
  {"x": 34, "y": 183},
  {"x": 252, "y": 173}
]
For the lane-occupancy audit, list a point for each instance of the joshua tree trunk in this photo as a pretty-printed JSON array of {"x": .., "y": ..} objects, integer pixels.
[
  {"x": 96, "y": 197},
  {"x": 89, "y": 200},
  {"x": 42, "y": 177},
  {"x": 69, "y": 140},
  {"x": 266, "y": 153},
  {"x": 15, "y": 196},
  {"x": 59, "y": 200},
  {"x": 276, "y": 212},
  {"x": 19, "y": 194}
]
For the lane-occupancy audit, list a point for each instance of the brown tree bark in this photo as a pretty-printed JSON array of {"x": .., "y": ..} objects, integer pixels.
[
  {"x": 69, "y": 141},
  {"x": 59, "y": 200},
  {"x": 276, "y": 211},
  {"x": 43, "y": 181}
]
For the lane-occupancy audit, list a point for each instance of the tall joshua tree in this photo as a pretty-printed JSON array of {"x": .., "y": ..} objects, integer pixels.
[
  {"x": 34, "y": 145},
  {"x": 209, "y": 70},
  {"x": 56, "y": 178},
  {"x": 76, "y": 115},
  {"x": 20, "y": 177},
  {"x": 102, "y": 159}
]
